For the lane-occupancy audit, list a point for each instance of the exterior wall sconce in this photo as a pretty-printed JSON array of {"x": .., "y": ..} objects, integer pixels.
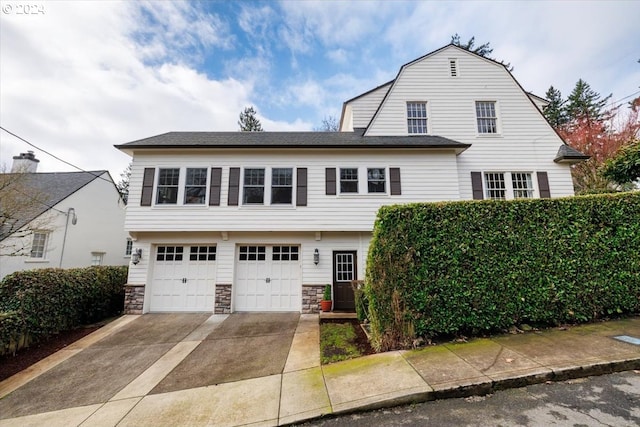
[
  {"x": 316, "y": 257},
  {"x": 136, "y": 256}
]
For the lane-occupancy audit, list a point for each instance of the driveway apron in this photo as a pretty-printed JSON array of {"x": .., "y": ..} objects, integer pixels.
[
  {"x": 245, "y": 345},
  {"x": 98, "y": 372}
]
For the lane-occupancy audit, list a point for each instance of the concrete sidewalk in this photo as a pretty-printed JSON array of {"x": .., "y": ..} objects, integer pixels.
[{"x": 305, "y": 390}]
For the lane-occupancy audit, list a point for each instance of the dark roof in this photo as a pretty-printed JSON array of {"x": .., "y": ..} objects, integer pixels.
[
  {"x": 255, "y": 140},
  {"x": 567, "y": 154},
  {"x": 46, "y": 190}
]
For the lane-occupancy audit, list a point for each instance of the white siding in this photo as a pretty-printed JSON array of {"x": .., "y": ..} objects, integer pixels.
[
  {"x": 99, "y": 228},
  {"x": 426, "y": 176},
  {"x": 526, "y": 142},
  {"x": 364, "y": 107}
]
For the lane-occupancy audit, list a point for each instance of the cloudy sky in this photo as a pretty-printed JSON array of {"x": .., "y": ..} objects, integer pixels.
[{"x": 77, "y": 77}]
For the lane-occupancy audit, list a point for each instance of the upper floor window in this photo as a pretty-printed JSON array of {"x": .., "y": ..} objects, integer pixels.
[
  {"x": 253, "y": 189},
  {"x": 416, "y": 117},
  {"x": 39, "y": 244},
  {"x": 281, "y": 186},
  {"x": 376, "y": 182},
  {"x": 128, "y": 249},
  {"x": 349, "y": 180},
  {"x": 167, "y": 191},
  {"x": 486, "y": 117},
  {"x": 195, "y": 188}
]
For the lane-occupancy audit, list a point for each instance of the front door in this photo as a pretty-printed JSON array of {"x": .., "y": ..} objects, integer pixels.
[{"x": 344, "y": 272}]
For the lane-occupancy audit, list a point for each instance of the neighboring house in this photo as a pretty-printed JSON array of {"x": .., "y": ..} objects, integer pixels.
[
  {"x": 60, "y": 219},
  {"x": 261, "y": 221}
]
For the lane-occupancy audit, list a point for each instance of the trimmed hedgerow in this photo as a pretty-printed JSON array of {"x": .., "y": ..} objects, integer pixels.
[
  {"x": 480, "y": 266},
  {"x": 38, "y": 303}
]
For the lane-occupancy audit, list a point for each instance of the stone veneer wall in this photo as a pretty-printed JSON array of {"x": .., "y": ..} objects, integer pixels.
[
  {"x": 133, "y": 299},
  {"x": 223, "y": 299},
  {"x": 311, "y": 296}
]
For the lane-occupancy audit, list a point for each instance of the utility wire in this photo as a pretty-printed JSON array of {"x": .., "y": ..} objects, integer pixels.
[{"x": 54, "y": 156}]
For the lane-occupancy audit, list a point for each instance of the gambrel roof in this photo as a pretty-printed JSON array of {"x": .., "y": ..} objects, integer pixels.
[{"x": 45, "y": 191}]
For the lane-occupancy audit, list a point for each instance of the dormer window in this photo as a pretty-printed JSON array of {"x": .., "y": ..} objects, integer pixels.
[{"x": 416, "y": 117}]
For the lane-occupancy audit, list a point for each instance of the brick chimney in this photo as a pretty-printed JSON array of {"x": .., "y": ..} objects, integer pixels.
[{"x": 25, "y": 162}]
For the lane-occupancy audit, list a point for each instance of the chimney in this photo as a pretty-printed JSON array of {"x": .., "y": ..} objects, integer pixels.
[{"x": 25, "y": 162}]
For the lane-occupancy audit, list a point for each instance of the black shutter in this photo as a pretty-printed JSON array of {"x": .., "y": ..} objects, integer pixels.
[
  {"x": 301, "y": 187},
  {"x": 476, "y": 185},
  {"x": 330, "y": 181},
  {"x": 543, "y": 185},
  {"x": 214, "y": 188},
  {"x": 234, "y": 186},
  {"x": 147, "y": 186},
  {"x": 394, "y": 180}
]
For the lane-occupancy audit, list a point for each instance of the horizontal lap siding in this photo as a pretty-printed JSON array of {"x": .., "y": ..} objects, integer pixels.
[
  {"x": 526, "y": 141},
  {"x": 365, "y": 106},
  {"x": 426, "y": 176}
]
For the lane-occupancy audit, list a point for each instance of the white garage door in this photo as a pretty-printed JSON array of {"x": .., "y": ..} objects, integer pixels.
[
  {"x": 267, "y": 278},
  {"x": 183, "y": 278}
]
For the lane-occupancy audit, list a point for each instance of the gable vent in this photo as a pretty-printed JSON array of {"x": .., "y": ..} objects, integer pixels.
[{"x": 453, "y": 67}]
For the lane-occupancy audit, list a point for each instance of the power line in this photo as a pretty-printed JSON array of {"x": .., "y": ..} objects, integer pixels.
[{"x": 53, "y": 155}]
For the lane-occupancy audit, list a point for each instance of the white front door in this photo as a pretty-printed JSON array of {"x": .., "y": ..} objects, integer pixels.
[
  {"x": 183, "y": 278},
  {"x": 267, "y": 278}
]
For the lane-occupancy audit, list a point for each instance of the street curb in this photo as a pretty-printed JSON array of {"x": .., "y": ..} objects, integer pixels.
[{"x": 489, "y": 387}]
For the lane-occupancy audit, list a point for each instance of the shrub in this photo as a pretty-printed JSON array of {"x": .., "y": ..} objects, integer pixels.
[
  {"x": 38, "y": 303},
  {"x": 478, "y": 266},
  {"x": 326, "y": 295}
]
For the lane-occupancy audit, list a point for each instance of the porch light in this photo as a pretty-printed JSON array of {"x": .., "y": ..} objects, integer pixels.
[
  {"x": 316, "y": 257},
  {"x": 136, "y": 256}
]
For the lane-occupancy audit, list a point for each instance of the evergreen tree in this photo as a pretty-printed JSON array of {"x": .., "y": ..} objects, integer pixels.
[
  {"x": 555, "y": 111},
  {"x": 483, "y": 50},
  {"x": 248, "y": 121},
  {"x": 585, "y": 104}
]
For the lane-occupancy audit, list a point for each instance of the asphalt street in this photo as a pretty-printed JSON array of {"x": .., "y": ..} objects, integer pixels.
[{"x": 607, "y": 400}]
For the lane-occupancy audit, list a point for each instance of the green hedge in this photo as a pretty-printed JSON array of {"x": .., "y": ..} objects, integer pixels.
[
  {"x": 478, "y": 266},
  {"x": 38, "y": 303}
]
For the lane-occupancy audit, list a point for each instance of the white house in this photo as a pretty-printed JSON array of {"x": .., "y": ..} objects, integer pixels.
[
  {"x": 260, "y": 221},
  {"x": 60, "y": 219}
]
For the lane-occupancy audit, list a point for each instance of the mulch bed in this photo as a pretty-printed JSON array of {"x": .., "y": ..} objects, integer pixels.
[
  {"x": 10, "y": 364},
  {"x": 361, "y": 341}
]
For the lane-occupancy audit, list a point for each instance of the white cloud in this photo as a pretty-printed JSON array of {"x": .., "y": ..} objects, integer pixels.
[{"x": 86, "y": 85}]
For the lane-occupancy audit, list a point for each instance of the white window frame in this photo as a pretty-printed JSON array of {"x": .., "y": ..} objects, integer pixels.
[
  {"x": 268, "y": 186},
  {"x": 496, "y": 108},
  {"x": 129, "y": 247},
  {"x": 41, "y": 253},
  {"x": 182, "y": 184},
  {"x": 385, "y": 180},
  {"x": 357, "y": 180},
  {"x": 425, "y": 118},
  {"x": 363, "y": 181},
  {"x": 192, "y": 185},
  {"x": 290, "y": 186},
  {"x": 97, "y": 258},
  {"x": 509, "y": 190}
]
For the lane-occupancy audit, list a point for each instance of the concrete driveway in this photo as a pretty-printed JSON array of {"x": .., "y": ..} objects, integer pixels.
[{"x": 183, "y": 351}]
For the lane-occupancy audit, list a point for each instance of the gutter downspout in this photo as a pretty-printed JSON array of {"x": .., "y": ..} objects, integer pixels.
[{"x": 66, "y": 226}]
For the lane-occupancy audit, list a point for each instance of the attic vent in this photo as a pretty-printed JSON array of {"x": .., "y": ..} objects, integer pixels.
[{"x": 453, "y": 67}]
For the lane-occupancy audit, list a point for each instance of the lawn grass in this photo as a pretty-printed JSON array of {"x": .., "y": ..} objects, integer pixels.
[{"x": 338, "y": 342}]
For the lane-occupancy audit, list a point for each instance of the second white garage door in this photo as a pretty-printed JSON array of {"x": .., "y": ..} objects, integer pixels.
[{"x": 267, "y": 278}]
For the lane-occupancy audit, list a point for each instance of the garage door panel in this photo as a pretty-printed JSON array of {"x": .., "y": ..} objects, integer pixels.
[
  {"x": 184, "y": 278},
  {"x": 267, "y": 278}
]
